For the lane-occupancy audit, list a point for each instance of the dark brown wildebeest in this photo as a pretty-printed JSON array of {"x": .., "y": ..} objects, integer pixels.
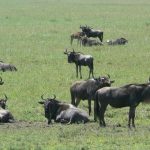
[
  {"x": 126, "y": 96},
  {"x": 120, "y": 41},
  {"x": 80, "y": 60},
  {"x": 7, "y": 67},
  {"x": 85, "y": 90},
  {"x": 92, "y": 33},
  {"x": 77, "y": 36},
  {"x": 62, "y": 112},
  {"x": 85, "y": 41},
  {"x": 5, "y": 115},
  {"x": 1, "y": 82}
]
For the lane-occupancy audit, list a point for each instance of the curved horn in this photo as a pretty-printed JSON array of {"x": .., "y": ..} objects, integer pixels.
[
  {"x": 42, "y": 97},
  {"x": 6, "y": 98},
  {"x": 54, "y": 96},
  {"x": 108, "y": 76}
]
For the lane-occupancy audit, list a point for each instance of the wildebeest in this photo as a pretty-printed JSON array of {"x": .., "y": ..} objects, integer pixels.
[
  {"x": 77, "y": 36},
  {"x": 85, "y": 41},
  {"x": 85, "y": 90},
  {"x": 7, "y": 67},
  {"x": 1, "y": 82},
  {"x": 80, "y": 60},
  {"x": 120, "y": 41},
  {"x": 92, "y": 33},
  {"x": 5, "y": 115},
  {"x": 62, "y": 112},
  {"x": 129, "y": 95}
]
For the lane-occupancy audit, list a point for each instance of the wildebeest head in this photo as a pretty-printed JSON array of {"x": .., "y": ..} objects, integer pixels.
[
  {"x": 3, "y": 102},
  {"x": 85, "y": 28},
  {"x": 71, "y": 56},
  {"x": 1, "y": 82},
  {"x": 104, "y": 81},
  {"x": 50, "y": 107}
]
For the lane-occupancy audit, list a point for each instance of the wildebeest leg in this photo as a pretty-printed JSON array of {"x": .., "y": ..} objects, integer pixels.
[
  {"x": 71, "y": 40},
  {"x": 76, "y": 70},
  {"x": 101, "y": 116},
  {"x": 91, "y": 72},
  {"x": 89, "y": 103},
  {"x": 49, "y": 119},
  {"x": 72, "y": 99},
  {"x": 80, "y": 72},
  {"x": 131, "y": 116},
  {"x": 101, "y": 37},
  {"x": 95, "y": 110},
  {"x": 77, "y": 102}
]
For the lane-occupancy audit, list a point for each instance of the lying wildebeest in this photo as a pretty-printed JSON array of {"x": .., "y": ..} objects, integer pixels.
[
  {"x": 85, "y": 90},
  {"x": 80, "y": 60},
  {"x": 1, "y": 82},
  {"x": 120, "y": 41},
  {"x": 62, "y": 112},
  {"x": 77, "y": 36},
  {"x": 7, "y": 67},
  {"x": 126, "y": 96},
  {"x": 5, "y": 115},
  {"x": 92, "y": 33},
  {"x": 85, "y": 41}
]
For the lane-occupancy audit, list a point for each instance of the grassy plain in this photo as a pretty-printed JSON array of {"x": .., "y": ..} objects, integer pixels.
[{"x": 33, "y": 36}]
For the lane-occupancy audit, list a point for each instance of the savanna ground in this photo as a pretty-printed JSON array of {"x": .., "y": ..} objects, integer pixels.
[{"x": 34, "y": 35}]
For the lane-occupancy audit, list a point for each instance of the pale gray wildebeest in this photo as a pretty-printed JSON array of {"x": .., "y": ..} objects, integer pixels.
[
  {"x": 5, "y": 115},
  {"x": 62, "y": 112},
  {"x": 80, "y": 60},
  {"x": 85, "y": 90},
  {"x": 7, "y": 67},
  {"x": 1, "y": 82},
  {"x": 120, "y": 41},
  {"x": 129, "y": 95},
  {"x": 85, "y": 41},
  {"x": 92, "y": 33},
  {"x": 77, "y": 35}
]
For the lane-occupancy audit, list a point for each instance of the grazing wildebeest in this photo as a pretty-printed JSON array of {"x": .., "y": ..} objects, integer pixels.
[
  {"x": 85, "y": 90},
  {"x": 92, "y": 33},
  {"x": 80, "y": 60},
  {"x": 126, "y": 96},
  {"x": 62, "y": 112},
  {"x": 1, "y": 82},
  {"x": 7, "y": 67},
  {"x": 77, "y": 36},
  {"x": 85, "y": 41},
  {"x": 120, "y": 41},
  {"x": 5, "y": 115}
]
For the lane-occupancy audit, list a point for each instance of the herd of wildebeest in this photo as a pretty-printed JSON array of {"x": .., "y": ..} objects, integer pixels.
[{"x": 97, "y": 89}]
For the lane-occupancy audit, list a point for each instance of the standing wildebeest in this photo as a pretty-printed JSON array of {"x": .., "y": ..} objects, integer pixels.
[
  {"x": 5, "y": 115},
  {"x": 77, "y": 36},
  {"x": 7, "y": 67},
  {"x": 1, "y": 82},
  {"x": 126, "y": 96},
  {"x": 80, "y": 60},
  {"x": 120, "y": 41},
  {"x": 92, "y": 33},
  {"x": 62, "y": 112},
  {"x": 85, "y": 90},
  {"x": 85, "y": 41}
]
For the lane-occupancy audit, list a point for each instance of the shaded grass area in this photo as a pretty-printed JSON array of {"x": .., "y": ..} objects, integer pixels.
[{"x": 34, "y": 35}]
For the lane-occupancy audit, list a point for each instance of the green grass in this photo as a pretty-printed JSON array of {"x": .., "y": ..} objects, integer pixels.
[{"x": 34, "y": 35}]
